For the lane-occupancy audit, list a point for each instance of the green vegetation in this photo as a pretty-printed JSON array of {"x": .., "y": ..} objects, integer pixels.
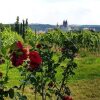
[
  {"x": 84, "y": 84},
  {"x": 8, "y": 37}
]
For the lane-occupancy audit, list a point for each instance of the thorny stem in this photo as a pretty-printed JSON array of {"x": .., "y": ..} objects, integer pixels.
[
  {"x": 43, "y": 88},
  {"x": 7, "y": 70},
  {"x": 25, "y": 81},
  {"x": 23, "y": 87},
  {"x": 35, "y": 93},
  {"x": 64, "y": 78}
]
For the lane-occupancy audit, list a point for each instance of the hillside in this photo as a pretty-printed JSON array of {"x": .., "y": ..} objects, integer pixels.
[
  {"x": 45, "y": 27},
  {"x": 41, "y": 27}
]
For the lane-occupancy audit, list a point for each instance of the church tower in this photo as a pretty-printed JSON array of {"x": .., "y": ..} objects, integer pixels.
[{"x": 65, "y": 23}]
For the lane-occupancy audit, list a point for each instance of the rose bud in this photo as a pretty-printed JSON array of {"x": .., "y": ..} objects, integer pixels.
[{"x": 67, "y": 98}]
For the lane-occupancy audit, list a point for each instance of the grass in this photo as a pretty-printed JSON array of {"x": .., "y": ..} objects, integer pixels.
[
  {"x": 88, "y": 68},
  {"x": 84, "y": 85},
  {"x": 86, "y": 89}
]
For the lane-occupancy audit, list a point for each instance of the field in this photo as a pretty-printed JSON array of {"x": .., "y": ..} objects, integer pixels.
[
  {"x": 87, "y": 79},
  {"x": 84, "y": 84},
  {"x": 49, "y": 65}
]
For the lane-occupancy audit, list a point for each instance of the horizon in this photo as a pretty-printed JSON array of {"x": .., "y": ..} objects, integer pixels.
[
  {"x": 76, "y": 12},
  {"x": 55, "y": 24}
]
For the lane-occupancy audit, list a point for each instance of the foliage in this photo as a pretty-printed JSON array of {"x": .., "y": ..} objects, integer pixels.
[
  {"x": 8, "y": 37},
  {"x": 36, "y": 64},
  {"x": 42, "y": 68}
]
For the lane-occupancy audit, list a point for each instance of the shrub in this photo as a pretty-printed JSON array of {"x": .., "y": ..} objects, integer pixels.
[{"x": 8, "y": 37}]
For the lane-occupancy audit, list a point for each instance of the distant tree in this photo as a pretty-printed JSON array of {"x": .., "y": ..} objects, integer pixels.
[
  {"x": 23, "y": 31},
  {"x": 26, "y": 26},
  {"x": 1, "y": 27},
  {"x": 26, "y": 22},
  {"x": 21, "y": 28},
  {"x": 17, "y": 25}
]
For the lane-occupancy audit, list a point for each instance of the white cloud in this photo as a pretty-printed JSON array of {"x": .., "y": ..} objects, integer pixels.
[{"x": 51, "y": 11}]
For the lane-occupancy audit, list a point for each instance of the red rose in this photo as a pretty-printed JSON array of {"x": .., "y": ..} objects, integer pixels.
[
  {"x": 18, "y": 57},
  {"x": 35, "y": 60},
  {"x": 33, "y": 66},
  {"x": 67, "y": 98},
  {"x": 16, "y": 60},
  {"x": 24, "y": 54},
  {"x": 35, "y": 57},
  {"x": 19, "y": 45}
]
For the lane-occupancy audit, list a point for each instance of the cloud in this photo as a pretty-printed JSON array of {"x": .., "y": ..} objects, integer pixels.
[{"x": 51, "y": 11}]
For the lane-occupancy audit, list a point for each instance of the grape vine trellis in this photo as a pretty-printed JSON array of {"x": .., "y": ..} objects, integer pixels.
[{"x": 43, "y": 80}]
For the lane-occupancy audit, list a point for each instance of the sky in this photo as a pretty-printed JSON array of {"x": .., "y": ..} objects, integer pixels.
[{"x": 80, "y": 12}]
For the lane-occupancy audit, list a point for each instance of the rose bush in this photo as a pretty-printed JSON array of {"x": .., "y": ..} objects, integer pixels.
[{"x": 39, "y": 69}]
